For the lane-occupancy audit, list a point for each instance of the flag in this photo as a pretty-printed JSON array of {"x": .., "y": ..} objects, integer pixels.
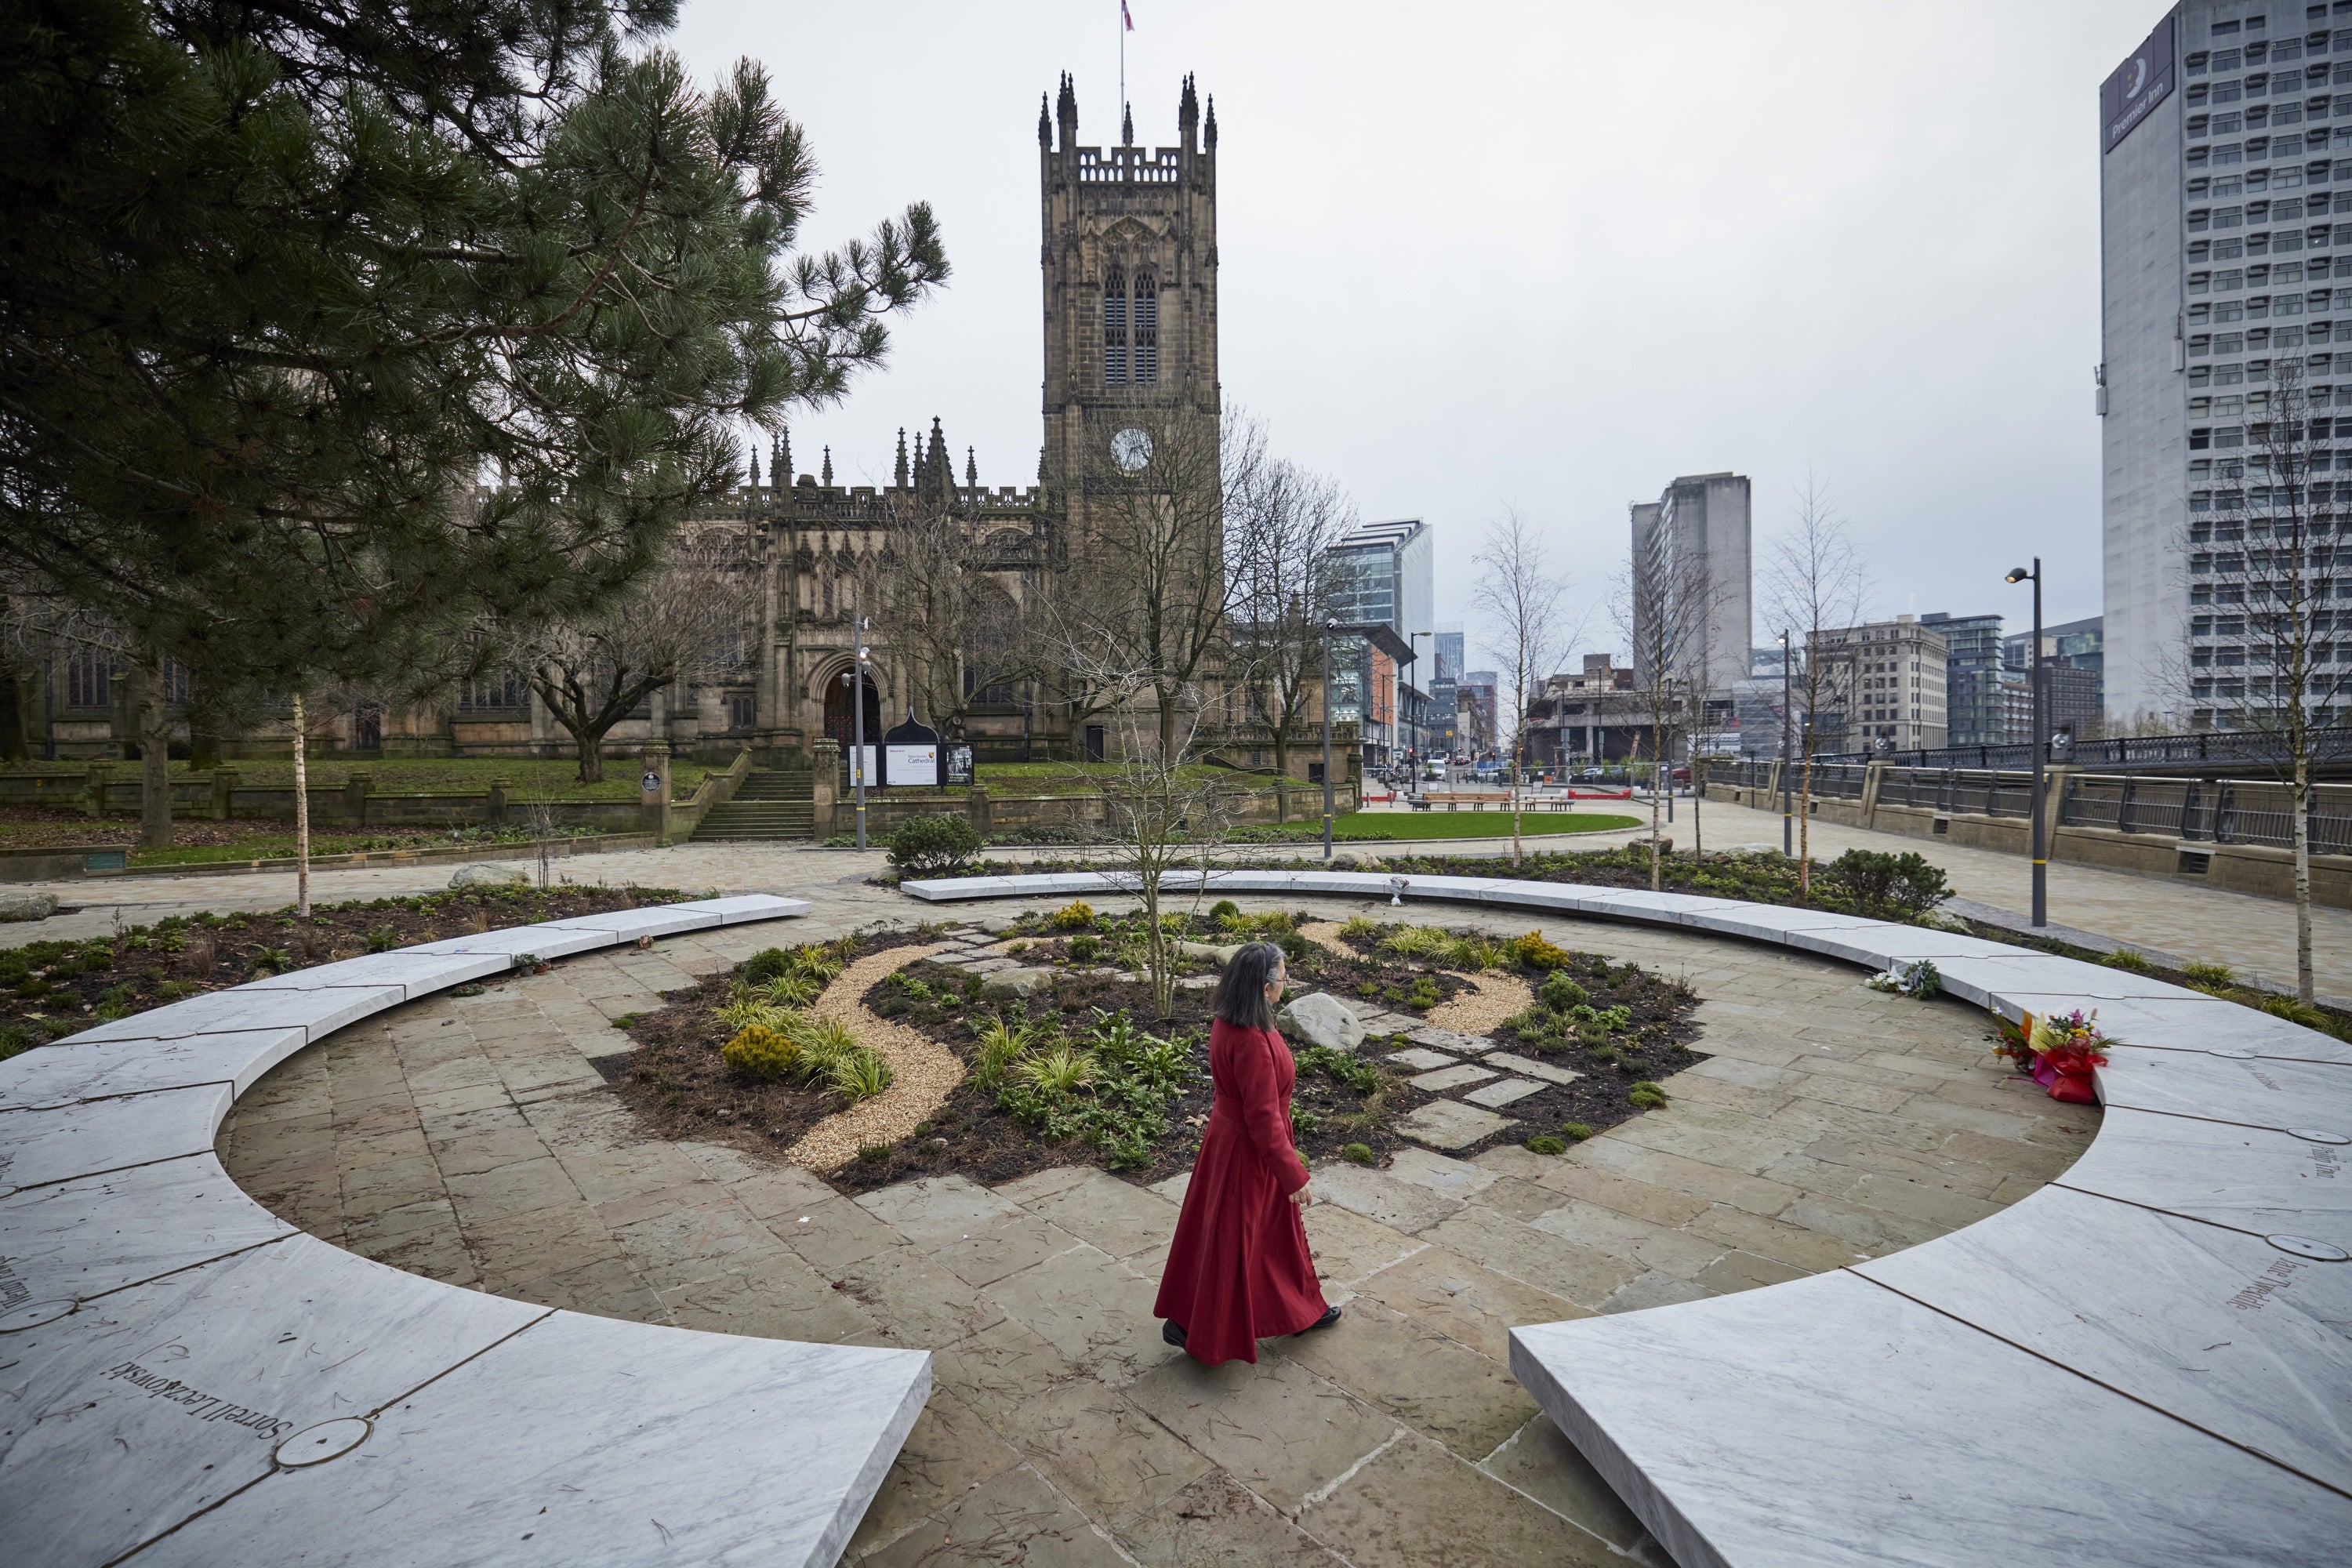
[{"x": 1126, "y": 17}]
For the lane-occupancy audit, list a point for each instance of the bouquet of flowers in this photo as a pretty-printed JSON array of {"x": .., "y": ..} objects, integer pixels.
[{"x": 2059, "y": 1051}]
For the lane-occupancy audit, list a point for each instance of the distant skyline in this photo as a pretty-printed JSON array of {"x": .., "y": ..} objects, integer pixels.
[{"x": 1543, "y": 257}]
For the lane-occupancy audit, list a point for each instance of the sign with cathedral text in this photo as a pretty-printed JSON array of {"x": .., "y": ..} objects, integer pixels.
[{"x": 910, "y": 755}]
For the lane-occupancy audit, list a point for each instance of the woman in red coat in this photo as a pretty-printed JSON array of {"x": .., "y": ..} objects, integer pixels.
[{"x": 1239, "y": 1270}]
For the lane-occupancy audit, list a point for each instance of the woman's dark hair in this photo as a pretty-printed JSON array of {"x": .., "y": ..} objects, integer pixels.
[{"x": 1240, "y": 994}]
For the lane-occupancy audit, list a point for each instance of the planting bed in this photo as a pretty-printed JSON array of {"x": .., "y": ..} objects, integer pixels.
[
  {"x": 51, "y": 989},
  {"x": 1083, "y": 1070}
]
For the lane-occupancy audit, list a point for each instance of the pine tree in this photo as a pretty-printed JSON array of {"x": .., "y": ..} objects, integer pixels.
[{"x": 326, "y": 332}]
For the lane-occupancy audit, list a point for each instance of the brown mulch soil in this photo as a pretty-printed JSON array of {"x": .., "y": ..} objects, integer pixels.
[
  {"x": 44, "y": 827},
  {"x": 676, "y": 1080},
  {"x": 55, "y": 988}
]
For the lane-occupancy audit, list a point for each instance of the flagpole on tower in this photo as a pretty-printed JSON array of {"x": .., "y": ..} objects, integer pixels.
[{"x": 1125, "y": 26}]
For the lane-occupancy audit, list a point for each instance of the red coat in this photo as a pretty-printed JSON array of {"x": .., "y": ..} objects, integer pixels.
[{"x": 1239, "y": 1269}]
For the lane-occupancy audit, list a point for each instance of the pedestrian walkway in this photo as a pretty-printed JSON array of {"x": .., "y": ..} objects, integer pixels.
[
  {"x": 2254, "y": 935},
  {"x": 470, "y": 1140}
]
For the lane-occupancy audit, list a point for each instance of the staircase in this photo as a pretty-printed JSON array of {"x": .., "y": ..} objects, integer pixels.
[{"x": 771, "y": 803}]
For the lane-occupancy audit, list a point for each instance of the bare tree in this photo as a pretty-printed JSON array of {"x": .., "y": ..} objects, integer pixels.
[
  {"x": 1665, "y": 607},
  {"x": 1155, "y": 587},
  {"x": 963, "y": 604},
  {"x": 2266, "y": 565},
  {"x": 1280, "y": 528},
  {"x": 1813, "y": 584},
  {"x": 1529, "y": 629},
  {"x": 1165, "y": 811},
  {"x": 681, "y": 623}
]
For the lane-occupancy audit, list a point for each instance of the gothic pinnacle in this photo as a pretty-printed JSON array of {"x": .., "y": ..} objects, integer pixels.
[
  {"x": 901, "y": 480},
  {"x": 1127, "y": 126},
  {"x": 827, "y": 479}
]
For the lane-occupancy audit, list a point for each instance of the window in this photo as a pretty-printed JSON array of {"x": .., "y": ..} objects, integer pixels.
[
  {"x": 2229, "y": 153},
  {"x": 2226, "y": 185},
  {"x": 90, "y": 679},
  {"x": 2197, "y": 62},
  {"x": 1115, "y": 328},
  {"x": 2229, "y": 125},
  {"x": 1147, "y": 332},
  {"x": 503, "y": 691}
]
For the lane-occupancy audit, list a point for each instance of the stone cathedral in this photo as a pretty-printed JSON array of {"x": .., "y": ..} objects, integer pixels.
[{"x": 1130, "y": 321}]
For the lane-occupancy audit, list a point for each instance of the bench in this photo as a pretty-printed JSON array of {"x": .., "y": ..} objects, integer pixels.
[
  {"x": 193, "y": 1380},
  {"x": 2145, "y": 1361}
]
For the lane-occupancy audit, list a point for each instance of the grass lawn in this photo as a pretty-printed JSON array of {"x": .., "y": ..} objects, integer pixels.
[
  {"x": 1373, "y": 825},
  {"x": 1072, "y": 778},
  {"x": 529, "y": 778}
]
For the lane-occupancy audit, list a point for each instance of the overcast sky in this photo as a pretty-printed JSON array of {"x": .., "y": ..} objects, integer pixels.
[{"x": 1482, "y": 256}]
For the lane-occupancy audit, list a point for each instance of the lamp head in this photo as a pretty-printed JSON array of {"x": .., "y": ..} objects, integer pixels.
[{"x": 2017, "y": 574}]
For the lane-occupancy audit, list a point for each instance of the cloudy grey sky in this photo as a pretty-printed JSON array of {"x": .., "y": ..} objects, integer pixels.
[{"x": 1481, "y": 256}]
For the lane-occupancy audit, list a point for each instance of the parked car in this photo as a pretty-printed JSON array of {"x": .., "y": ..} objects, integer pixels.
[
  {"x": 1681, "y": 776},
  {"x": 1593, "y": 776}
]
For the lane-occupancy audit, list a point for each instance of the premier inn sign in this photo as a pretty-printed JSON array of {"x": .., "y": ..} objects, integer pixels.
[{"x": 2135, "y": 87}]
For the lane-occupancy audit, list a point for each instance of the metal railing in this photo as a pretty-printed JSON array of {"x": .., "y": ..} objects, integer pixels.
[
  {"x": 2218, "y": 748},
  {"x": 2224, "y": 811}
]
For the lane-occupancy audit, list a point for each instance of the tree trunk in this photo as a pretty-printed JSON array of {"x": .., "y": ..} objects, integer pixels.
[
  {"x": 302, "y": 816},
  {"x": 1699, "y": 793},
  {"x": 2302, "y": 981},
  {"x": 1805, "y": 817},
  {"x": 591, "y": 750},
  {"x": 1658, "y": 754},
  {"x": 1282, "y": 774},
  {"x": 155, "y": 760}
]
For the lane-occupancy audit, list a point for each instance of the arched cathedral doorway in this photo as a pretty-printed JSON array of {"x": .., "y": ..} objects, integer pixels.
[{"x": 839, "y": 720}]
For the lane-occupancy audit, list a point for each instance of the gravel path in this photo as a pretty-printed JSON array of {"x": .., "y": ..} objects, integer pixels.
[
  {"x": 1497, "y": 997},
  {"x": 923, "y": 1072}
]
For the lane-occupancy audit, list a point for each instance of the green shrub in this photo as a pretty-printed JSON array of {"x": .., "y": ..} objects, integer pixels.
[
  {"x": 1559, "y": 993},
  {"x": 1358, "y": 927},
  {"x": 1224, "y": 909},
  {"x": 1359, "y": 1154},
  {"x": 859, "y": 1073},
  {"x": 1534, "y": 951},
  {"x": 1060, "y": 1070},
  {"x": 2206, "y": 974},
  {"x": 1886, "y": 887},
  {"x": 925, "y": 844},
  {"x": 2129, "y": 958},
  {"x": 272, "y": 961},
  {"x": 384, "y": 939},
  {"x": 1575, "y": 1131},
  {"x": 1076, "y": 915},
  {"x": 759, "y": 1052},
  {"x": 873, "y": 1153},
  {"x": 1646, "y": 1095},
  {"x": 765, "y": 965},
  {"x": 1544, "y": 1143},
  {"x": 1085, "y": 949},
  {"x": 1000, "y": 1045}
]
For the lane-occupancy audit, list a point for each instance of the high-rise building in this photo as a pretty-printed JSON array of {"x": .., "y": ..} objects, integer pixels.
[
  {"x": 1975, "y": 711},
  {"x": 1691, "y": 585},
  {"x": 1384, "y": 574},
  {"x": 2226, "y": 262},
  {"x": 1886, "y": 685},
  {"x": 1475, "y": 704},
  {"x": 1444, "y": 735}
]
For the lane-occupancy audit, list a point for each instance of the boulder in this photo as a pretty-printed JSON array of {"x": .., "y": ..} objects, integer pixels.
[
  {"x": 15, "y": 906},
  {"x": 481, "y": 875},
  {"x": 1320, "y": 1018},
  {"x": 1215, "y": 953},
  {"x": 1020, "y": 980}
]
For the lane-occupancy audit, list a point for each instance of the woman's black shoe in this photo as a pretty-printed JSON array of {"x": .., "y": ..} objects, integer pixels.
[
  {"x": 1173, "y": 1333},
  {"x": 1330, "y": 1316}
]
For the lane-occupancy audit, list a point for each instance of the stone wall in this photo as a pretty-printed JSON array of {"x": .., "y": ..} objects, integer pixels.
[{"x": 2258, "y": 869}]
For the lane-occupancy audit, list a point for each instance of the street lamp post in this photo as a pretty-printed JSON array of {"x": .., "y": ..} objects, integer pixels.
[
  {"x": 1788, "y": 734},
  {"x": 1329, "y": 627},
  {"x": 857, "y": 678},
  {"x": 2041, "y": 750}
]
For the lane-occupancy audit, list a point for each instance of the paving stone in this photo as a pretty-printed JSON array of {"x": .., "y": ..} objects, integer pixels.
[
  {"x": 1347, "y": 1246},
  {"x": 988, "y": 1254},
  {"x": 1280, "y": 1429},
  {"x": 913, "y": 1300},
  {"x": 1100, "y": 1451},
  {"x": 1502, "y": 1092},
  {"x": 950, "y": 1451},
  {"x": 1465, "y": 1301},
  {"x": 1408, "y": 1206},
  {"x": 1432, "y": 1384},
  {"x": 1001, "y": 1367},
  {"x": 1090, "y": 1307},
  {"x": 1678, "y": 1251},
  {"x": 1444, "y": 1124},
  {"x": 1450, "y": 1040},
  {"x": 1409, "y": 1506},
  {"x": 1117, "y": 1217},
  {"x": 1443, "y": 1078},
  {"x": 1526, "y": 1067},
  {"x": 1217, "y": 1520},
  {"x": 1014, "y": 1517},
  {"x": 1541, "y": 1461},
  {"x": 1418, "y": 1059},
  {"x": 1580, "y": 1274},
  {"x": 1654, "y": 1288}
]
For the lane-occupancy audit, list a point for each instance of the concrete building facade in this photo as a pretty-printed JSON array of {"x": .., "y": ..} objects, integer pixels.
[
  {"x": 2225, "y": 163},
  {"x": 1692, "y": 587},
  {"x": 1887, "y": 678},
  {"x": 1975, "y": 711}
]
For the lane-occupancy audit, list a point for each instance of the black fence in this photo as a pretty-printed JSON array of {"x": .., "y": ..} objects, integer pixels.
[{"x": 2227, "y": 811}]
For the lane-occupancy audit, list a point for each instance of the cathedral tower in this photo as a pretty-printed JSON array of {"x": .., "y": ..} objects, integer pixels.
[{"x": 1130, "y": 277}]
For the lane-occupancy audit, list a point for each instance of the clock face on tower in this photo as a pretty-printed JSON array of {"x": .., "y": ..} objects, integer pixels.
[{"x": 1130, "y": 450}]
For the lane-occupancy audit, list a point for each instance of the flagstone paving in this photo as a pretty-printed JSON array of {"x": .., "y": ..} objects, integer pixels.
[{"x": 471, "y": 1140}]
